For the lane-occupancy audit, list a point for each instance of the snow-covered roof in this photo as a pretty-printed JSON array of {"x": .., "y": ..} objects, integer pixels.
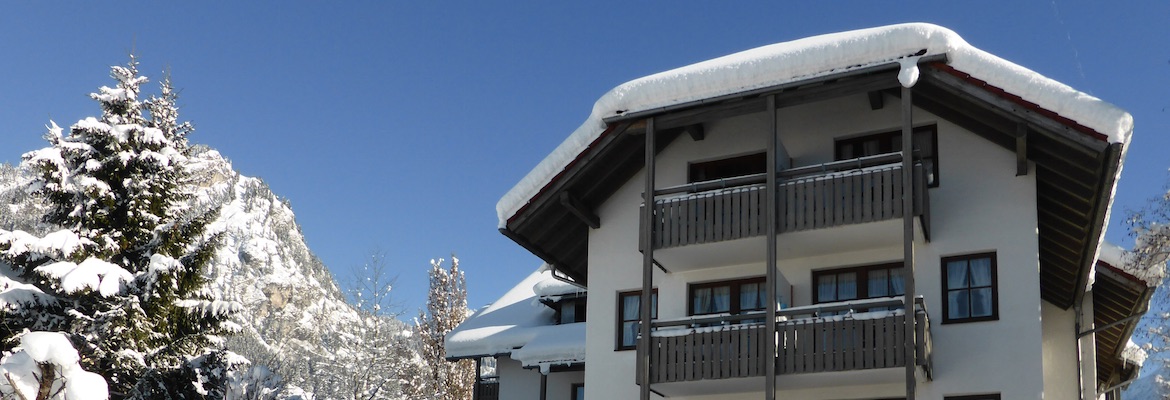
[
  {"x": 518, "y": 324},
  {"x": 553, "y": 345},
  {"x": 810, "y": 58},
  {"x": 552, "y": 287},
  {"x": 1120, "y": 258},
  {"x": 1134, "y": 354}
]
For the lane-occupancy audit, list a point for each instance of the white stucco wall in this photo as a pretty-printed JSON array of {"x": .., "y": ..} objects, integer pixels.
[
  {"x": 980, "y": 206},
  {"x": 519, "y": 383}
]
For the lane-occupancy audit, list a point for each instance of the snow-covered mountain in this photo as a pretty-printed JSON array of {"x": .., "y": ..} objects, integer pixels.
[{"x": 295, "y": 317}]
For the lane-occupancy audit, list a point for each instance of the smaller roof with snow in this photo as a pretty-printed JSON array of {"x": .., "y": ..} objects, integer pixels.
[
  {"x": 1121, "y": 291},
  {"x": 519, "y": 325}
]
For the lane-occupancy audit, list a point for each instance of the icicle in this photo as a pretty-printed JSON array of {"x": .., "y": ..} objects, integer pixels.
[{"x": 908, "y": 76}]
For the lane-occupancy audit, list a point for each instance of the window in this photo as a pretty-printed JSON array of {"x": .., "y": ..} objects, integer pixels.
[
  {"x": 842, "y": 284},
  {"x": 731, "y": 297},
  {"x": 974, "y": 397},
  {"x": 578, "y": 391},
  {"x": 971, "y": 289},
  {"x": 571, "y": 311},
  {"x": 925, "y": 148},
  {"x": 755, "y": 163},
  {"x": 628, "y": 305}
]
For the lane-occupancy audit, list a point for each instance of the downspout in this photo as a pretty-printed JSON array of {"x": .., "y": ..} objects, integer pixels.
[
  {"x": 543, "y": 385},
  {"x": 910, "y": 348},
  {"x": 1078, "y": 308}
]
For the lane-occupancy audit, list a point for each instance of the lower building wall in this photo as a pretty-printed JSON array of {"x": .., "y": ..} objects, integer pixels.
[
  {"x": 1062, "y": 367},
  {"x": 518, "y": 383}
]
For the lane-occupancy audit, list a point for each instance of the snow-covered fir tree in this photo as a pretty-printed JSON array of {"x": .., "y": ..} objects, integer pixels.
[
  {"x": 122, "y": 270},
  {"x": 446, "y": 309}
]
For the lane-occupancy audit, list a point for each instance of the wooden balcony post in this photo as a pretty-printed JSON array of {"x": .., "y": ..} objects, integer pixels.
[
  {"x": 908, "y": 238},
  {"x": 647, "y": 234},
  {"x": 770, "y": 280}
]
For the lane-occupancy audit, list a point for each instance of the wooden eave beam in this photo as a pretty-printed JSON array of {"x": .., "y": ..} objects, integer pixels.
[
  {"x": 876, "y": 100},
  {"x": 580, "y": 210},
  {"x": 950, "y": 82},
  {"x": 695, "y": 131},
  {"x": 541, "y": 199}
]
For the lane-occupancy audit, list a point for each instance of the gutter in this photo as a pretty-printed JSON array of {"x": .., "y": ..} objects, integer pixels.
[{"x": 892, "y": 65}]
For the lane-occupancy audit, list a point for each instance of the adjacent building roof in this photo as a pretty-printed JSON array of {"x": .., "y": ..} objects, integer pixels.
[
  {"x": 1121, "y": 293},
  {"x": 520, "y": 326}
]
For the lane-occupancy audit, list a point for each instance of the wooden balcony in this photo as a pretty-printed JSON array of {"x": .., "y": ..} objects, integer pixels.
[
  {"x": 855, "y": 191},
  {"x": 805, "y": 342}
]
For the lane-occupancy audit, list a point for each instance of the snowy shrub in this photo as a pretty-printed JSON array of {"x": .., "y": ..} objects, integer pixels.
[{"x": 45, "y": 366}]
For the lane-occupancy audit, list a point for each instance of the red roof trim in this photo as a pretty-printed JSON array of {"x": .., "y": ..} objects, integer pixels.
[
  {"x": 608, "y": 131},
  {"x": 1019, "y": 100},
  {"x": 1121, "y": 272}
]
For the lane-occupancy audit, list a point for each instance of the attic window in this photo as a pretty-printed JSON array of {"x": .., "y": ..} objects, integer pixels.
[{"x": 755, "y": 163}]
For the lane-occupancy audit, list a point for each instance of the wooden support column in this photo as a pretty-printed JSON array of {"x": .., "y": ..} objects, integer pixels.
[
  {"x": 908, "y": 239},
  {"x": 770, "y": 214},
  {"x": 647, "y": 232}
]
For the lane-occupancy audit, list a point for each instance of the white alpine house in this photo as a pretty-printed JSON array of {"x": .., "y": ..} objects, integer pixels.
[{"x": 874, "y": 214}]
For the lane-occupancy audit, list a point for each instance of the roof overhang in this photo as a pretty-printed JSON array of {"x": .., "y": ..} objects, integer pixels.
[
  {"x": 1119, "y": 298},
  {"x": 1076, "y": 167}
]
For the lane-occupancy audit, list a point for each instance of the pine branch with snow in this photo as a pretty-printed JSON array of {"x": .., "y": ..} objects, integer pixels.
[{"x": 125, "y": 272}]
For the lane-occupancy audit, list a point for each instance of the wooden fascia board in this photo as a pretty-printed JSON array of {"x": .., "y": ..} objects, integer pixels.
[
  {"x": 608, "y": 136},
  {"x": 1108, "y": 178},
  {"x": 1016, "y": 105}
]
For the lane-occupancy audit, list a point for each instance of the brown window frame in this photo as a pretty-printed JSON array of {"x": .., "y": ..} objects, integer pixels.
[
  {"x": 728, "y": 167},
  {"x": 573, "y": 391},
  {"x": 578, "y": 305},
  {"x": 887, "y": 139},
  {"x": 618, "y": 346},
  {"x": 734, "y": 290},
  {"x": 946, "y": 309},
  {"x": 862, "y": 279}
]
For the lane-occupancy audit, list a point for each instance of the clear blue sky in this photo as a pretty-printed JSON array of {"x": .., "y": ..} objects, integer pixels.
[{"x": 399, "y": 124}]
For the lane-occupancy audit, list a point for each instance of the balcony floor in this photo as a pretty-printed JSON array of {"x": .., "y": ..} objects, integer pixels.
[{"x": 884, "y": 376}]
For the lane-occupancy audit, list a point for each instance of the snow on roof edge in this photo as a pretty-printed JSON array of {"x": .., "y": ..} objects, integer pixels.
[
  {"x": 503, "y": 325},
  {"x": 809, "y": 58}
]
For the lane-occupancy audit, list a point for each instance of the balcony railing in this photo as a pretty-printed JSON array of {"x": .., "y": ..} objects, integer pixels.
[
  {"x": 840, "y": 193},
  {"x": 487, "y": 389},
  {"x": 806, "y": 342}
]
